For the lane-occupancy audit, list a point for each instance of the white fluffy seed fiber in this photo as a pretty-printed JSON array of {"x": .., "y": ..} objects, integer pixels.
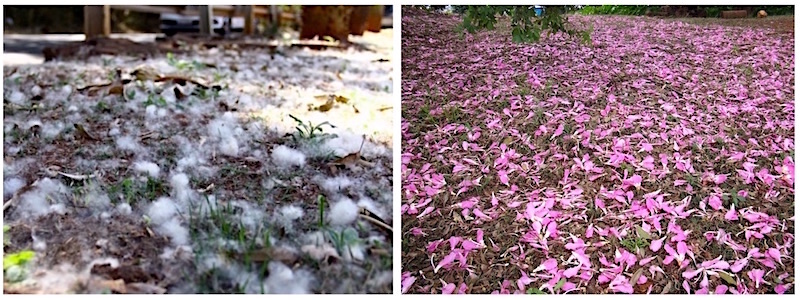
[
  {"x": 286, "y": 157},
  {"x": 150, "y": 168},
  {"x": 343, "y": 212}
]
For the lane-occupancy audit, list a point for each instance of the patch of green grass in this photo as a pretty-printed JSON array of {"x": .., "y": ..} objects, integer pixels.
[
  {"x": 452, "y": 114},
  {"x": 183, "y": 65},
  {"x": 425, "y": 114},
  {"x": 321, "y": 207},
  {"x": 156, "y": 100},
  {"x": 14, "y": 265},
  {"x": 223, "y": 222},
  {"x": 344, "y": 239},
  {"x": 131, "y": 190},
  {"x": 733, "y": 198},
  {"x": 308, "y": 131},
  {"x": 692, "y": 180},
  {"x": 634, "y": 242},
  {"x": 102, "y": 107},
  {"x": 535, "y": 291}
]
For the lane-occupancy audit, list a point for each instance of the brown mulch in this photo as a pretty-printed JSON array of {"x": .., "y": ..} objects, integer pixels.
[{"x": 77, "y": 239}]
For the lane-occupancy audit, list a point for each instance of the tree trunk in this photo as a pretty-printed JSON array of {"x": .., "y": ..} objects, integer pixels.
[{"x": 327, "y": 20}]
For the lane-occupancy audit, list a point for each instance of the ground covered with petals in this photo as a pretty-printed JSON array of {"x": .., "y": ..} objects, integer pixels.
[{"x": 657, "y": 159}]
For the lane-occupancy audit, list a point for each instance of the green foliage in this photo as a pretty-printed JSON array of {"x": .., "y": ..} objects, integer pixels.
[
  {"x": 156, "y": 100},
  {"x": 630, "y": 10},
  {"x": 479, "y": 18},
  {"x": 344, "y": 239},
  {"x": 131, "y": 190},
  {"x": 18, "y": 259},
  {"x": 182, "y": 64},
  {"x": 535, "y": 291},
  {"x": 632, "y": 243},
  {"x": 14, "y": 265},
  {"x": 525, "y": 26},
  {"x": 308, "y": 131}
]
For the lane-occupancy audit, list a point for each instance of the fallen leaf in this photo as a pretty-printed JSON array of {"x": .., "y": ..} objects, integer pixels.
[
  {"x": 635, "y": 277},
  {"x": 179, "y": 93},
  {"x": 325, "y": 107},
  {"x": 76, "y": 177},
  {"x": 375, "y": 220},
  {"x": 82, "y": 133},
  {"x": 353, "y": 158},
  {"x": 727, "y": 277},
  {"x": 641, "y": 233},
  {"x": 341, "y": 99},
  {"x": 144, "y": 288},
  {"x": 667, "y": 288},
  {"x": 560, "y": 284},
  {"x": 117, "y": 286}
]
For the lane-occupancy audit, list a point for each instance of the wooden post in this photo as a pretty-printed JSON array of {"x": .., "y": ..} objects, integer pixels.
[
  {"x": 249, "y": 19},
  {"x": 96, "y": 21},
  {"x": 275, "y": 15},
  {"x": 206, "y": 19}
]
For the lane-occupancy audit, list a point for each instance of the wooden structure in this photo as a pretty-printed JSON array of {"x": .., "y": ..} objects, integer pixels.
[
  {"x": 734, "y": 14},
  {"x": 339, "y": 21},
  {"x": 97, "y": 18}
]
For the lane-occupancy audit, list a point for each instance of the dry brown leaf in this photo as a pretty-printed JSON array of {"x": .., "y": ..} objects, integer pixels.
[
  {"x": 341, "y": 99},
  {"x": 635, "y": 277},
  {"x": 144, "y": 288},
  {"x": 375, "y": 220},
  {"x": 355, "y": 109},
  {"x": 145, "y": 73},
  {"x": 82, "y": 133},
  {"x": 325, "y": 107},
  {"x": 179, "y": 93},
  {"x": 76, "y": 176},
  {"x": 148, "y": 135},
  {"x": 667, "y": 288},
  {"x": 353, "y": 158},
  {"x": 117, "y": 286}
]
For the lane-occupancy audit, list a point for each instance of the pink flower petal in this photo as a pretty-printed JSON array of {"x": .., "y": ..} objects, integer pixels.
[
  {"x": 731, "y": 214},
  {"x": 406, "y": 283},
  {"x": 691, "y": 274},
  {"x": 757, "y": 276},
  {"x": 738, "y": 265},
  {"x": 571, "y": 272},
  {"x": 449, "y": 259},
  {"x": 462, "y": 288},
  {"x": 721, "y": 289},
  {"x": 655, "y": 245},
  {"x": 448, "y": 288}
]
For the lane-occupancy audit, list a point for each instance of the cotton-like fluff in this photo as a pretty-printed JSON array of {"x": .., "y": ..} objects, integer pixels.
[
  {"x": 286, "y": 157},
  {"x": 343, "y": 212},
  {"x": 282, "y": 280},
  {"x": 37, "y": 201},
  {"x": 150, "y": 168},
  {"x": 11, "y": 186},
  {"x": 162, "y": 210}
]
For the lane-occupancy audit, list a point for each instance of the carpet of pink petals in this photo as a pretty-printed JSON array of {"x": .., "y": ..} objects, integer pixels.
[{"x": 536, "y": 166}]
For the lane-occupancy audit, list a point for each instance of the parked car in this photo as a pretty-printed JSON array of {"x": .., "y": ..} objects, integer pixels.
[{"x": 174, "y": 23}]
